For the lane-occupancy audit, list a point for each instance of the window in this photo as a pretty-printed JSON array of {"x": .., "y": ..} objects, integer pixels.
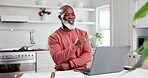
[{"x": 103, "y": 25}]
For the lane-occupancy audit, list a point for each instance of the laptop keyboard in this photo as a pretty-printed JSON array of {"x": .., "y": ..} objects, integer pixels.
[{"x": 84, "y": 70}]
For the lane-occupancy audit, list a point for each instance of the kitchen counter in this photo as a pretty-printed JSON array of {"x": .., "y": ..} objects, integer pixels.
[
  {"x": 138, "y": 73},
  {"x": 24, "y": 50},
  {"x": 39, "y": 50}
]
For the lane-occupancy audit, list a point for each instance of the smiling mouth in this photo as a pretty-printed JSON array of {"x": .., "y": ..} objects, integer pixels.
[{"x": 71, "y": 21}]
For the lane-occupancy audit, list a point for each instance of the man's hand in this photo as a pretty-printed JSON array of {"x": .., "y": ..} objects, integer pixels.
[
  {"x": 80, "y": 41},
  {"x": 62, "y": 66}
]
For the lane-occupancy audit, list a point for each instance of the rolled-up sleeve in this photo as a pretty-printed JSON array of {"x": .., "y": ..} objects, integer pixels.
[{"x": 85, "y": 57}]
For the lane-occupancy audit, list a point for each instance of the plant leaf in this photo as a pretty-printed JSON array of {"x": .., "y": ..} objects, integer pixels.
[
  {"x": 146, "y": 58},
  {"x": 142, "y": 12},
  {"x": 139, "y": 50},
  {"x": 142, "y": 48},
  {"x": 145, "y": 51}
]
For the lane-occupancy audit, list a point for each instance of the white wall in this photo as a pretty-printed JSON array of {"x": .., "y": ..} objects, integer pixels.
[
  {"x": 20, "y": 38},
  {"x": 120, "y": 22}
]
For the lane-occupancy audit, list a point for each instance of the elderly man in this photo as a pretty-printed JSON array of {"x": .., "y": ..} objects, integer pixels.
[{"x": 69, "y": 46}]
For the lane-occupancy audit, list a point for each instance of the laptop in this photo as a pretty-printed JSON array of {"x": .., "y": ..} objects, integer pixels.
[{"x": 107, "y": 59}]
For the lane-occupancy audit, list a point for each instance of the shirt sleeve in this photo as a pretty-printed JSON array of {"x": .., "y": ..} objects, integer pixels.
[
  {"x": 58, "y": 55},
  {"x": 85, "y": 57}
]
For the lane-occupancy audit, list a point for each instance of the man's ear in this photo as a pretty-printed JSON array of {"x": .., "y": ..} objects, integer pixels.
[{"x": 60, "y": 17}]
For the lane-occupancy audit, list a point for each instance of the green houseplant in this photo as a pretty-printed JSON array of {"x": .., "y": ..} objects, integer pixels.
[
  {"x": 143, "y": 50},
  {"x": 43, "y": 12}
]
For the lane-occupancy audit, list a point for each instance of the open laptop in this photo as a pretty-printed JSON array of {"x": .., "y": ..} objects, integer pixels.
[{"x": 107, "y": 59}]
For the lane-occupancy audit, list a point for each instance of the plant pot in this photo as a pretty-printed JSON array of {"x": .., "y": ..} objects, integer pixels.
[
  {"x": 98, "y": 43},
  {"x": 45, "y": 17}
]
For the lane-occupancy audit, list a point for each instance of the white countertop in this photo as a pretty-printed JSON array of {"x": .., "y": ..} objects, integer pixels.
[{"x": 138, "y": 73}]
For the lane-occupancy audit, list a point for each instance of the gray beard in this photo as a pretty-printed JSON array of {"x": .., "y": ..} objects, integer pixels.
[{"x": 68, "y": 25}]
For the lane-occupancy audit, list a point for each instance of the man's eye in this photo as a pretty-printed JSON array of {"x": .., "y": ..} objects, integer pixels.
[
  {"x": 73, "y": 14},
  {"x": 66, "y": 14}
]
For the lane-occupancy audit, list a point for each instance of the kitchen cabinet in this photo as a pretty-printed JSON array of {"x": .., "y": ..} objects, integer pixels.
[
  {"x": 79, "y": 12},
  {"x": 140, "y": 23},
  {"x": 138, "y": 27},
  {"x": 122, "y": 24},
  {"x": 44, "y": 62}
]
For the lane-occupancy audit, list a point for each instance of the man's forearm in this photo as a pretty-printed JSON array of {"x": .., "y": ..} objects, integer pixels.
[
  {"x": 64, "y": 55},
  {"x": 83, "y": 59}
]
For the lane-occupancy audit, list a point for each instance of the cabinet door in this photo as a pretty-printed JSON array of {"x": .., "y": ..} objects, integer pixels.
[
  {"x": 44, "y": 62},
  {"x": 142, "y": 21}
]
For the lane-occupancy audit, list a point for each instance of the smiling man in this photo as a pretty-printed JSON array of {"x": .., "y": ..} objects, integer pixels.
[{"x": 69, "y": 46}]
